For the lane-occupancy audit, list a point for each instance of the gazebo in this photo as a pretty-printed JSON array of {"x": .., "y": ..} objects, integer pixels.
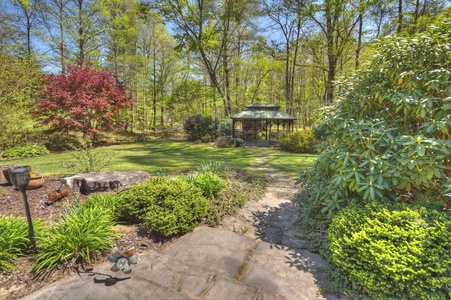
[{"x": 261, "y": 118}]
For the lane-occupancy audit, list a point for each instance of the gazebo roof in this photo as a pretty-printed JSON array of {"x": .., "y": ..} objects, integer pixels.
[{"x": 263, "y": 112}]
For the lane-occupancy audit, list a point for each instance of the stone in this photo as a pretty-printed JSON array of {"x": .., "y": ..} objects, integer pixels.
[{"x": 104, "y": 181}]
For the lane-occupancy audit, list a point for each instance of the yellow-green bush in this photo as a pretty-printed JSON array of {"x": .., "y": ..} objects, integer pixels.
[
  {"x": 301, "y": 141},
  {"x": 168, "y": 205},
  {"x": 396, "y": 252}
]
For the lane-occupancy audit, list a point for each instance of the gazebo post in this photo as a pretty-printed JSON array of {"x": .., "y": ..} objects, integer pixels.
[
  {"x": 270, "y": 125},
  {"x": 233, "y": 128}
]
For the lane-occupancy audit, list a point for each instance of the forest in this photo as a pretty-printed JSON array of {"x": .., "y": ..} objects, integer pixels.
[{"x": 176, "y": 58}]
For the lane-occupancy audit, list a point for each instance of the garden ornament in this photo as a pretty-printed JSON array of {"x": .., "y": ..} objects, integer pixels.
[
  {"x": 123, "y": 261},
  {"x": 20, "y": 178}
]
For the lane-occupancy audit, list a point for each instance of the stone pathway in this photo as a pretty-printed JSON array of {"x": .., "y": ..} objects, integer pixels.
[
  {"x": 255, "y": 255},
  {"x": 295, "y": 273}
]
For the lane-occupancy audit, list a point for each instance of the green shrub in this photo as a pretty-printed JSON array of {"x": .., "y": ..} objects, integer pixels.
[
  {"x": 301, "y": 141},
  {"x": 14, "y": 240},
  {"x": 389, "y": 135},
  {"x": 25, "y": 151},
  {"x": 168, "y": 205},
  {"x": 210, "y": 184},
  {"x": 199, "y": 127},
  {"x": 228, "y": 141},
  {"x": 394, "y": 253},
  {"x": 225, "y": 127},
  {"x": 78, "y": 238}
]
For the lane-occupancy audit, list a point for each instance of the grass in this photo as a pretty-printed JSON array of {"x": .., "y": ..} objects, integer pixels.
[{"x": 173, "y": 156}]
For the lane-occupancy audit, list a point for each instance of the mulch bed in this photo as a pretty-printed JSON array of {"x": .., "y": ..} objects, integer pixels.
[{"x": 21, "y": 282}]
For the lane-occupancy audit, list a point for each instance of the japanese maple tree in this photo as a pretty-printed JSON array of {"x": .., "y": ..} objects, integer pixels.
[{"x": 83, "y": 100}]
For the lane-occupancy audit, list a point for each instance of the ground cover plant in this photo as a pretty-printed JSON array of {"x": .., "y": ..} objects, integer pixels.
[
  {"x": 394, "y": 251},
  {"x": 14, "y": 240},
  {"x": 387, "y": 139},
  {"x": 25, "y": 151}
]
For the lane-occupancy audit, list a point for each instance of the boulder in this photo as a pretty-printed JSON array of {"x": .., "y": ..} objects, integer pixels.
[{"x": 104, "y": 181}]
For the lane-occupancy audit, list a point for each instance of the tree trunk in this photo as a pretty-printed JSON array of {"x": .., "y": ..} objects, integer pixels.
[
  {"x": 400, "y": 16},
  {"x": 62, "y": 42},
  {"x": 359, "y": 38}
]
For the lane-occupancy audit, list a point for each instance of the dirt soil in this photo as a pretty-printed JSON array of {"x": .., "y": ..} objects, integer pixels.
[{"x": 19, "y": 283}]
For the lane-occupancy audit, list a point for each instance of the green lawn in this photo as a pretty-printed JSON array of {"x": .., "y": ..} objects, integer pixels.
[{"x": 174, "y": 156}]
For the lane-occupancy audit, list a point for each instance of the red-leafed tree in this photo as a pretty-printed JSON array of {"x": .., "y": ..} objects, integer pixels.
[{"x": 82, "y": 100}]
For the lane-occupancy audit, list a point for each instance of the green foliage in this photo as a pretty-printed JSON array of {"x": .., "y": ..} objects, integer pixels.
[
  {"x": 210, "y": 184},
  {"x": 243, "y": 186},
  {"x": 78, "y": 238},
  {"x": 215, "y": 167},
  {"x": 389, "y": 135},
  {"x": 199, "y": 127},
  {"x": 228, "y": 141},
  {"x": 14, "y": 240},
  {"x": 105, "y": 201},
  {"x": 225, "y": 127},
  {"x": 301, "y": 141},
  {"x": 25, "y": 151},
  {"x": 18, "y": 128},
  {"x": 394, "y": 252},
  {"x": 168, "y": 205},
  {"x": 86, "y": 159}
]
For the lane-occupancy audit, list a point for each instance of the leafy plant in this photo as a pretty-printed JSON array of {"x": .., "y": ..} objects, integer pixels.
[
  {"x": 199, "y": 127},
  {"x": 388, "y": 137},
  {"x": 228, "y": 141},
  {"x": 81, "y": 234},
  {"x": 168, "y": 205},
  {"x": 14, "y": 240},
  {"x": 215, "y": 167},
  {"x": 86, "y": 159},
  {"x": 25, "y": 151},
  {"x": 300, "y": 141},
  {"x": 225, "y": 127},
  {"x": 242, "y": 186},
  {"x": 397, "y": 252},
  {"x": 210, "y": 184},
  {"x": 105, "y": 201}
]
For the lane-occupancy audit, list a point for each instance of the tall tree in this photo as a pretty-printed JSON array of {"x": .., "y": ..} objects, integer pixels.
[
  {"x": 26, "y": 17},
  {"x": 207, "y": 28},
  {"x": 287, "y": 15},
  {"x": 198, "y": 25},
  {"x": 84, "y": 32},
  {"x": 84, "y": 100},
  {"x": 53, "y": 17},
  {"x": 337, "y": 20}
]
